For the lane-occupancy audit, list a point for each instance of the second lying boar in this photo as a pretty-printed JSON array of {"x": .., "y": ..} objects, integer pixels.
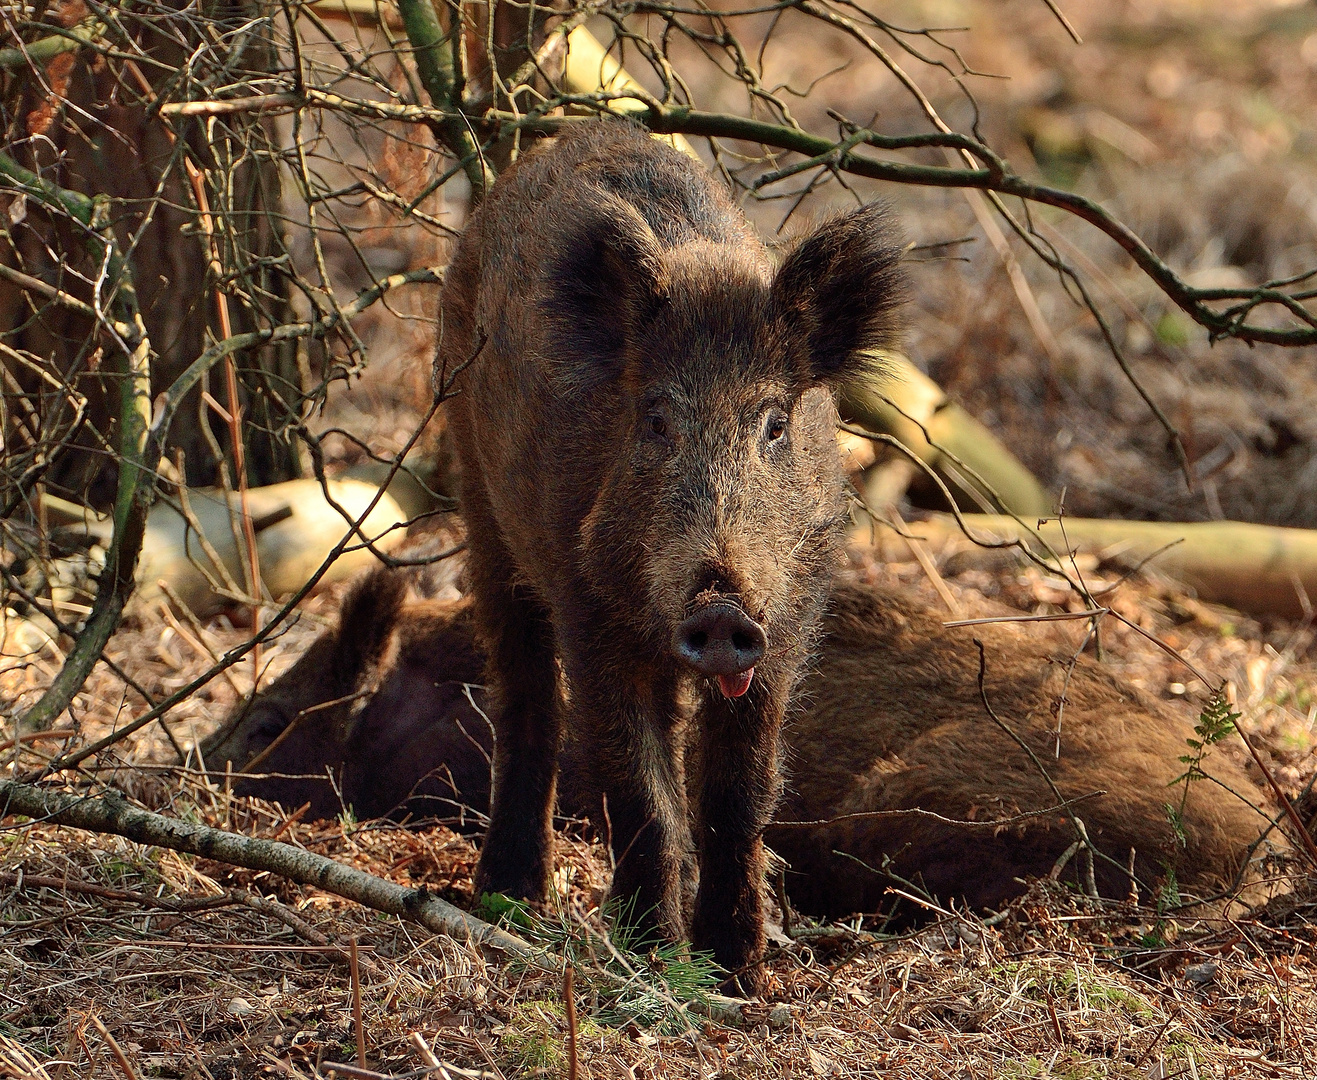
[{"x": 890, "y": 719}]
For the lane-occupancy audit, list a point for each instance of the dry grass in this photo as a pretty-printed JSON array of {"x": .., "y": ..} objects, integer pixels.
[
  {"x": 1057, "y": 988},
  {"x": 205, "y": 984}
]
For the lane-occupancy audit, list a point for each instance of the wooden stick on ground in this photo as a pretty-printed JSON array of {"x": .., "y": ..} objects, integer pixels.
[
  {"x": 356, "y": 1002},
  {"x": 111, "y": 813}
]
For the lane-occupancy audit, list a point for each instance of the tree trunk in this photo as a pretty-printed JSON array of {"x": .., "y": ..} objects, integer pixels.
[{"x": 97, "y": 135}]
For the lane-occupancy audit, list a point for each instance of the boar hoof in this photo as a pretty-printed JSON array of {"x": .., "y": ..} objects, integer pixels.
[
  {"x": 511, "y": 873},
  {"x": 748, "y": 982},
  {"x": 740, "y": 955}
]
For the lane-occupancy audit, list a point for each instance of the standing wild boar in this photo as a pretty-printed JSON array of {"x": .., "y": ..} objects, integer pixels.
[{"x": 644, "y": 426}]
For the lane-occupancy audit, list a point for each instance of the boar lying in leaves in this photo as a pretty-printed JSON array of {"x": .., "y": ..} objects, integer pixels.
[
  {"x": 644, "y": 429},
  {"x": 889, "y": 718}
]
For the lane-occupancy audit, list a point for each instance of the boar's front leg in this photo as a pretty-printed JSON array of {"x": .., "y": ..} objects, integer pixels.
[
  {"x": 739, "y": 789},
  {"x": 634, "y": 734},
  {"x": 517, "y": 854}
]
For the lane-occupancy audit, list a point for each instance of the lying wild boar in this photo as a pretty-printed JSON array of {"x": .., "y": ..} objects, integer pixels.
[
  {"x": 893, "y": 718},
  {"x": 889, "y": 718},
  {"x": 390, "y": 705},
  {"x": 644, "y": 428}
]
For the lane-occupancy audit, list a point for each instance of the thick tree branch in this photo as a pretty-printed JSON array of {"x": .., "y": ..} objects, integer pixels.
[
  {"x": 44, "y": 50},
  {"x": 113, "y": 814},
  {"x": 433, "y": 59}
]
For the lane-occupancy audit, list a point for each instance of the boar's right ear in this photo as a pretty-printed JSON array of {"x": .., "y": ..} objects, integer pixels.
[
  {"x": 365, "y": 623},
  {"x": 839, "y": 290},
  {"x": 605, "y": 283}
]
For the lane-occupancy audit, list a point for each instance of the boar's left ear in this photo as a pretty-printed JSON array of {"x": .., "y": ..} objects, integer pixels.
[{"x": 839, "y": 290}]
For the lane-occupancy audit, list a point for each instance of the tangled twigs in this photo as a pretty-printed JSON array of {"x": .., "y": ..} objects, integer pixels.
[
  {"x": 46, "y": 49},
  {"x": 190, "y": 905},
  {"x": 138, "y": 455},
  {"x": 1081, "y": 832}
]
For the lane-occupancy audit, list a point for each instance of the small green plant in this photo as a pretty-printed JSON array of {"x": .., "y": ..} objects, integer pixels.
[
  {"x": 535, "y": 1037},
  {"x": 1166, "y": 897},
  {"x": 1168, "y": 893},
  {"x": 504, "y": 910},
  {"x": 1299, "y": 696},
  {"x": 1215, "y": 722},
  {"x": 629, "y": 974}
]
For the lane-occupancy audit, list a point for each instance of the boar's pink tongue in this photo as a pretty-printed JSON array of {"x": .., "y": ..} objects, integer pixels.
[{"x": 735, "y": 685}]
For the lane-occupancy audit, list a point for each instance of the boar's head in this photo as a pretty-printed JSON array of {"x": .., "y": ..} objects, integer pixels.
[
  {"x": 705, "y": 375},
  {"x": 303, "y": 719}
]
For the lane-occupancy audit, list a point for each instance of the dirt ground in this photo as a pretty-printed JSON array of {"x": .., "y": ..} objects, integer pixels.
[
  {"x": 1193, "y": 120},
  {"x": 191, "y": 980}
]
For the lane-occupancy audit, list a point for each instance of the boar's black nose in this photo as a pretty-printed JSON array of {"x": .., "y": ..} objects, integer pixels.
[{"x": 721, "y": 639}]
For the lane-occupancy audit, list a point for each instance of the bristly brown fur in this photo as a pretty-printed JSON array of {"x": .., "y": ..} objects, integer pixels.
[
  {"x": 889, "y": 718},
  {"x": 631, "y": 347},
  {"x": 893, "y": 719}
]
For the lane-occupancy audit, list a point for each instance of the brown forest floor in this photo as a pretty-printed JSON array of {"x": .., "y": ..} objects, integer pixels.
[
  {"x": 1219, "y": 171},
  {"x": 1060, "y": 987}
]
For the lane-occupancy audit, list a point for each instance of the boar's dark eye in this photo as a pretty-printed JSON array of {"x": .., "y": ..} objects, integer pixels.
[
  {"x": 658, "y": 425},
  {"x": 777, "y": 427}
]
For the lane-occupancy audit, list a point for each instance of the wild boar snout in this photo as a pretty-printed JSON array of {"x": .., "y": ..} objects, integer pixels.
[{"x": 721, "y": 640}]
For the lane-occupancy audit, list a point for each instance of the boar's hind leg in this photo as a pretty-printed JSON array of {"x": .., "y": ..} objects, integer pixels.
[
  {"x": 516, "y": 857},
  {"x": 739, "y": 787},
  {"x": 635, "y": 748}
]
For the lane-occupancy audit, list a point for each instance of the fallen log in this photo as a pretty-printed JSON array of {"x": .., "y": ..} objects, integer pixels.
[
  {"x": 905, "y": 403},
  {"x": 196, "y": 546},
  {"x": 1261, "y": 570}
]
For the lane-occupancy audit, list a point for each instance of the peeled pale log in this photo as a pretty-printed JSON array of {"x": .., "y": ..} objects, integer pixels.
[
  {"x": 954, "y": 435},
  {"x": 362, "y": 12},
  {"x": 296, "y": 528},
  {"x": 290, "y": 547},
  {"x": 1262, "y": 570}
]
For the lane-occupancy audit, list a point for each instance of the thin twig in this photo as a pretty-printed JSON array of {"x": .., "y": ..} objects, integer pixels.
[
  {"x": 355, "y": 974},
  {"x": 569, "y": 1001},
  {"x": 1081, "y": 833},
  {"x": 120, "y": 1059},
  {"x": 916, "y": 811}
]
